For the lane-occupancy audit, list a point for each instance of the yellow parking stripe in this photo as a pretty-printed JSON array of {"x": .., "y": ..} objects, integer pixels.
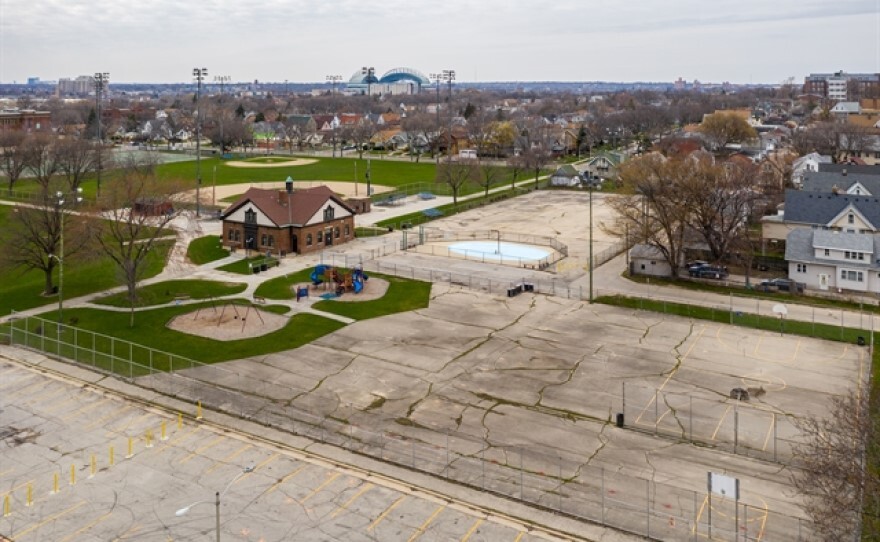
[
  {"x": 86, "y": 527},
  {"x": 472, "y": 530},
  {"x": 385, "y": 513},
  {"x": 49, "y": 519},
  {"x": 427, "y": 522},
  {"x": 315, "y": 491},
  {"x": 342, "y": 508},
  {"x": 285, "y": 478},
  {"x": 229, "y": 458},
  {"x": 214, "y": 442}
]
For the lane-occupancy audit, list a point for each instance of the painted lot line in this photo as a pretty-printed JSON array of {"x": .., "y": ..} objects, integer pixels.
[{"x": 285, "y": 497}]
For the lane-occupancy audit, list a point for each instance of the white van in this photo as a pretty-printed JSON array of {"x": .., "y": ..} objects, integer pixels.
[{"x": 468, "y": 153}]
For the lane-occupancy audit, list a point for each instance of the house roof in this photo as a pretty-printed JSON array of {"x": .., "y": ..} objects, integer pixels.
[
  {"x": 850, "y": 168},
  {"x": 819, "y": 181},
  {"x": 649, "y": 252},
  {"x": 304, "y": 203},
  {"x": 818, "y": 208},
  {"x": 566, "y": 170},
  {"x": 800, "y": 246}
]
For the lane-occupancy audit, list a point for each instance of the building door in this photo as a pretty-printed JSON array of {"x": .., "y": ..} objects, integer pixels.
[
  {"x": 823, "y": 282},
  {"x": 293, "y": 243},
  {"x": 328, "y": 237}
]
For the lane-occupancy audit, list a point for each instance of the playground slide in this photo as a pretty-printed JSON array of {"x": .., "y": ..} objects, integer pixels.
[
  {"x": 317, "y": 274},
  {"x": 358, "y": 285}
]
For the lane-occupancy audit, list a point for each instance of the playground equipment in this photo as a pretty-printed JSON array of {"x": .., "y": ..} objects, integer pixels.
[{"x": 343, "y": 280}]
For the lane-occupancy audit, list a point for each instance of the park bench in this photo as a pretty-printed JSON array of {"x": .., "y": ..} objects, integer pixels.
[
  {"x": 259, "y": 299},
  {"x": 432, "y": 213}
]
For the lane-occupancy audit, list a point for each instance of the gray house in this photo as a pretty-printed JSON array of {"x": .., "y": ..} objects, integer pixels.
[{"x": 834, "y": 260}]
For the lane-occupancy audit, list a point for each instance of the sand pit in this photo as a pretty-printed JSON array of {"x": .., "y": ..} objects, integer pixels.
[
  {"x": 374, "y": 288},
  {"x": 228, "y": 322},
  {"x": 285, "y": 162}
]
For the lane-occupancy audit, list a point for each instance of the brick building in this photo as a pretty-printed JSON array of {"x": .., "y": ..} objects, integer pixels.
[
  {"x": 26, "y": 120},
  {"x": 287, "y": 221}
]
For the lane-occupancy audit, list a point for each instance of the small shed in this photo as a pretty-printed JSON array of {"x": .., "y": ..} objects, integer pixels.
[{"x": 648, "y": 260}]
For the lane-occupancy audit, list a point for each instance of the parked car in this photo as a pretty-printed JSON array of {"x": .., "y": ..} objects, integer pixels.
[
  {"x": 696, "y": 264},
  {"x": 780, "y": 284},
  {"x": 709, "y": 272}
]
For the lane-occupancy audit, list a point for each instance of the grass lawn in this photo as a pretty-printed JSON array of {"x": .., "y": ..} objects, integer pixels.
[
  {"x": 280, "y": 287},
  {"x": 165, "y": 292},
  {"x": 22, "y": 289},
  {"x": 245, "y": 266},
  {"x": 402, "y": 295},
  {"x": 205, "y": 250},
  {"x": 301, "y": 329}
]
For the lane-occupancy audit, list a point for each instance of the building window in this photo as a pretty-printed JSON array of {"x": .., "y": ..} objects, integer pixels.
[
  {"x": 271, "y": 240},
  {"x": 237, "y": 235},
  {"x": 336, "y": 232},
  {"x": 801, "y": 268},
  {"x": 347, "y": 230},
  {"x": 320, "y": 236},
  {"x": 231, "y": 235},
  {"x": 250, "y": 217},
  {"x": 263, "y": 240},
  {"x": 828, "y": 252},
  {"x": 328, "y": 214},
  {"x": 309, "y": 240},
  {"x": 850, "y": 219},
  {"x": 854, "y": 276}
]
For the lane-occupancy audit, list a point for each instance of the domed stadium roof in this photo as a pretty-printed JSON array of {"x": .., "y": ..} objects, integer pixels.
[
  {"x": 360, "y": 78},
  {"x": 405, "y": 74}
]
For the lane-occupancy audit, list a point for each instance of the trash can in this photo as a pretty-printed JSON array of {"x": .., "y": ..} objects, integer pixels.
[
  {"x": 861, "y": 341},
  {"x": 256, "y": 269},
  {"x": 263, "y": 267},
  {"x": 619, "y": 419}
]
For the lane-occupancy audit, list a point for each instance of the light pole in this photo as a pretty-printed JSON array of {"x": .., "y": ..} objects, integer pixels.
[
  {"x": 59, "y": 202},
  {"x": 101, "y": 79},
  {"x": 217, "y": 496},
  {"x": 498, "y": 234},
  {"x": 369, "y": 73},
  {"x": 436, "y": 77},
  {"x": 333, "y": 79},
  {"x": 200, "y": 74},
  {"x": 221, "y": 79},
  {"x": 591, "y": 241},
  {"x": 449, "y": 77}
]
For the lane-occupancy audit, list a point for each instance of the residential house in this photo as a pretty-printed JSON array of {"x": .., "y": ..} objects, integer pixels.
[
  {"x": 648, "y": 260},
  {"x": 834, "y": 260},
  {"x": 287, "y": 221},
  {"x": 830, "y": 211},
  {"x": 809, "y": 162},
  {"x": 566, "y": 175},
  {"x": 603, "y": 166},
  {"x": 844, "y": 182},
  {"x": 842, "y": 110}
]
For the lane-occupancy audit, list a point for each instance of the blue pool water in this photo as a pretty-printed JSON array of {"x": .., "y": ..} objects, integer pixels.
[{"x": 489, "y": 251}]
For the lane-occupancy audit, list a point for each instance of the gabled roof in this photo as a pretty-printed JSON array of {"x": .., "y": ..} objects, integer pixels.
[
  {"x": 566, "y": 170},
  {"x": 821, "y": 209},
  {"x": 304, "y": 203},
  {"x": 820, "y": 181},
  {"x": 850, "y": 168},
  {"x": 800, "y": 245}
]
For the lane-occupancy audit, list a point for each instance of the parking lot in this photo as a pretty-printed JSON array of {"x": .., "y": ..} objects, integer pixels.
[{"x": 68, "y": 474}]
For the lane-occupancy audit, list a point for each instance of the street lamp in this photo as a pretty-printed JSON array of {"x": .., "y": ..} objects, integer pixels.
[
  {"x": 369, "y": 73},
  {"x": 59, "y": 202},
  {"x": 101, "y": 80},
  {"x": 498, "y": 233},
  {"x": 449, "y": 77},
  {"x": 217, "y": 496},
  {"x": 200, "y": 74},
  {"x": 590, "y": 186},
  {"x": 221, "y": 79}
]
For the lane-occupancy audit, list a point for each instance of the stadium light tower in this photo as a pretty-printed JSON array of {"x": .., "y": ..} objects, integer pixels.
[
  {"x": 333, "y": 79},
  {"x": 369, "y": 73},
  {"x": 102, "y": 79},
  {"x": 199, "y": 74}
]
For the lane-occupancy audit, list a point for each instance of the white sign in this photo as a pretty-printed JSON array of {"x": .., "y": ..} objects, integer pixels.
[{"x": 726, "y": 486}]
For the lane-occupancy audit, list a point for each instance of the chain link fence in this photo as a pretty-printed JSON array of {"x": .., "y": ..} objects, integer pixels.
[{"x": 660, "y": 511}]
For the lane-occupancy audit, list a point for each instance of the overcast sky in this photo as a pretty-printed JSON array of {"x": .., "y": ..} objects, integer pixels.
[{"x": 741, "y": 41}]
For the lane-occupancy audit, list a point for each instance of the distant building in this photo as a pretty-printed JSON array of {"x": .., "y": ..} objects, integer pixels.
[
  {"x": 26, "y": 120},
  {"x": 80, "y": 86},
  {"x": 836, "y": 86},
  {"x": 31, "y": 81},
  {"x": 395, "y": 81}
]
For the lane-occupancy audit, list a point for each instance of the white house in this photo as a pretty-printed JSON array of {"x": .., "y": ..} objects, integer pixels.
[
  {"x": 834, "y": 260},
  {"x": 648, "y": 260}
]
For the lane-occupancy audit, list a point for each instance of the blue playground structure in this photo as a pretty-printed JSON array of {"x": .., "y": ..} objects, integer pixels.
[{"x": 343, "y": 281}]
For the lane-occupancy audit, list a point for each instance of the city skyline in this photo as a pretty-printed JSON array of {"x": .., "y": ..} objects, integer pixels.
[{"x": 564, "y": 40}]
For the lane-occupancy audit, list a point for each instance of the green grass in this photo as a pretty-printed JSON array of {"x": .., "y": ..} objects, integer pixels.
[
  {"x": 165, "y": 292},
  {"x": 302, "y": 329},
  {"x": 205, "y": 250},
  {"x": 280, "y": 287},
  {"x": 756, "y": 321},
  {"x": 22, "y": 289},
  {"x": 402, "y": 295},
  {"x": 245, "y": 266}
]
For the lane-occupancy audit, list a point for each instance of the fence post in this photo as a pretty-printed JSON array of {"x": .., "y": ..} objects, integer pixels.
[{"x": 648, "y": 506}]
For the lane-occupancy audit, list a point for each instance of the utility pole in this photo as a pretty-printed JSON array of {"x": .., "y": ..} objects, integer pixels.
[
  {"x": 449, "y": 77},
  {"x": 200, "y": 74},
  {"x": 221, "y": 79}
]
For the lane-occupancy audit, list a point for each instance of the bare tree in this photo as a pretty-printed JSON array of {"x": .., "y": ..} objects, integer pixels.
[
  {"x": 488, "y": 175},
  {"x": 654, "y": 203},
  {"x": 42, "y": 159},
  {"x": 837, "y": 474},
  {"x": 13, "y": 155},
  {"x": 132, "y": 226},
  {"x": 77, "y": 158},
  {"x": 32, "y": 238},
  {"x": 456, "y": 174}
]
